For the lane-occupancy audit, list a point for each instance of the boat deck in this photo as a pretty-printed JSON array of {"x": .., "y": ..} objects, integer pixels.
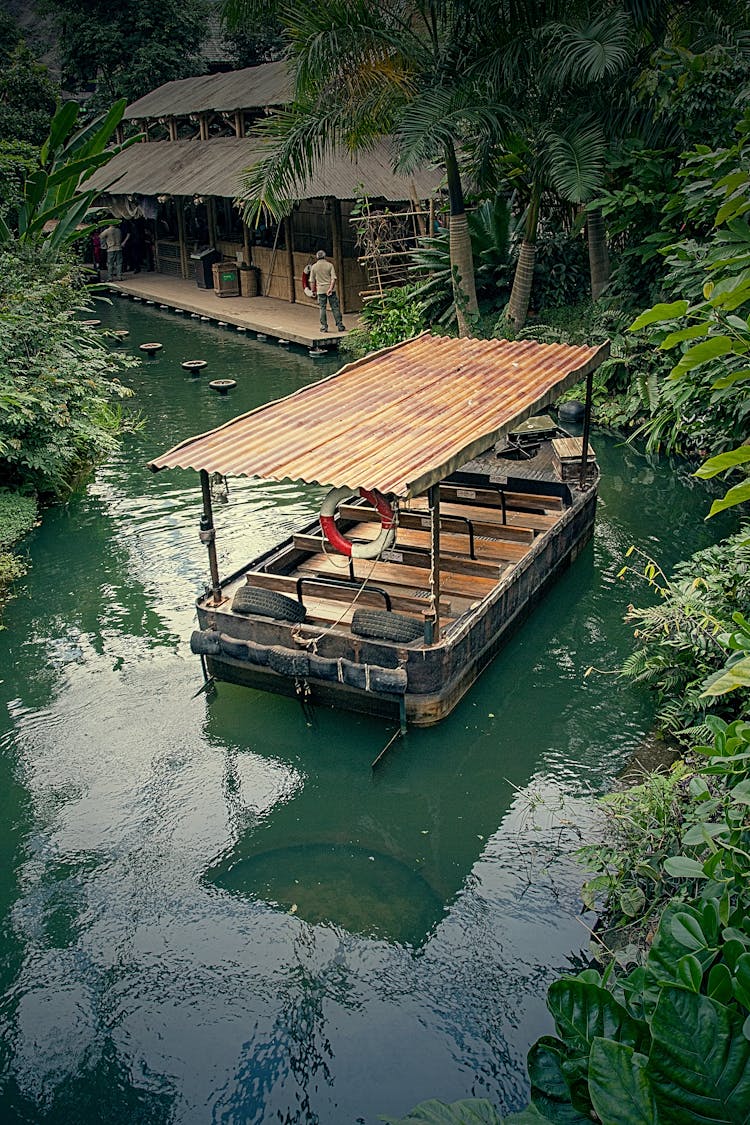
[{"x": 485, "y": 534}]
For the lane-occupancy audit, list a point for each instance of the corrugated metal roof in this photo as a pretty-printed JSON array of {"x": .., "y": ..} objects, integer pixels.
[
  {"x": 216, "y": 166},
  {"x": 398, "y": 420},
  {"x": 255, "y": 87}
]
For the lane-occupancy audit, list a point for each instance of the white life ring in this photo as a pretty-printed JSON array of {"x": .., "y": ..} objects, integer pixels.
[{"x": 371, "y": 550}]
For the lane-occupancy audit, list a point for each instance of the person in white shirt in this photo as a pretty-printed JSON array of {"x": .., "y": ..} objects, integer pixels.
[
  {"x": 323, "y": 283},
  {"x": 111, "y": 240}
]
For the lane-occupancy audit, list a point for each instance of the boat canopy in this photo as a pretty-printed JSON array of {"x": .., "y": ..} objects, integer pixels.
[{"x": 398, "y": 420}]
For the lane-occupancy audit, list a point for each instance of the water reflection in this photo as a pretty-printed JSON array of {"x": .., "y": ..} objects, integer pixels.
[{"x": 151, "y": 968}]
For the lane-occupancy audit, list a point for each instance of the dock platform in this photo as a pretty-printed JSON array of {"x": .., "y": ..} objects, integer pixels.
[{"x": 279, "y": 320}]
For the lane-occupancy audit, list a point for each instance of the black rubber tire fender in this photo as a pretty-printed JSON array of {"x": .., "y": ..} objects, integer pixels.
[
  {"x": 205, "y": 642},
  {"x": 233, "y": 646},
  {"x": 382, "y": 625},
  {"x": 255, "y": 602}
]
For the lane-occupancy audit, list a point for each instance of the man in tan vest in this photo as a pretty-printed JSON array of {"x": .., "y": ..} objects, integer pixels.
[{"x": 323, "y": 282}]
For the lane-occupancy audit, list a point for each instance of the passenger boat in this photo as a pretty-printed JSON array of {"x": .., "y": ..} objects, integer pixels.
[{"x": 453, "y": 504}]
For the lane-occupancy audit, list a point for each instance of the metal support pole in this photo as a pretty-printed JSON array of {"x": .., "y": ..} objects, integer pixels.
[
  {"x": 432, "y": 624},
  {"x": 586, "y": 427},
  {"x": 208, "y": 535}
]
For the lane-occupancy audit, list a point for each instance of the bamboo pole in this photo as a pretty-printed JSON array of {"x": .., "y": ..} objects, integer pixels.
[
  {"x": 338, "y": 251},
  {"x": 211, "y": 212},
  {"x": 289, "y": 238},
  {"x": 180, "y": 205}
]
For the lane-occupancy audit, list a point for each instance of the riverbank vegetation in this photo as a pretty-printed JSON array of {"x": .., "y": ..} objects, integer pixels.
[{"x": 60, "y": 386}]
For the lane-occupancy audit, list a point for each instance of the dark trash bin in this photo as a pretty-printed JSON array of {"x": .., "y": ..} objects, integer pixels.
[{"x": 204, "y": 261}]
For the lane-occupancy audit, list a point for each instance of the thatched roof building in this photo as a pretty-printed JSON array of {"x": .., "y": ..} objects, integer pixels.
[{"x": 198, "y": 142}]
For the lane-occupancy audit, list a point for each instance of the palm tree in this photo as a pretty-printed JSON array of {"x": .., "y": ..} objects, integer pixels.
[
  {"x": 370, "y": 69},
  {"x": 561, "y": 140}
]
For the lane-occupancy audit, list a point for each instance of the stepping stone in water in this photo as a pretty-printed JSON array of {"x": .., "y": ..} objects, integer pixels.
[
  {"x": 151, "y": 349},
  {"x": 222, "y": 385}
]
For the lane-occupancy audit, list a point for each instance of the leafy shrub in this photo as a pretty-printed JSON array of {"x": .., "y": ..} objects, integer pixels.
[
  {"x": 58, "y": 379},
  {"x": 688, "y": 635},
  {"x": 387, "y": 320},
  {"x": 561, "y": 271},
  {"x": 17, "y": 516}
]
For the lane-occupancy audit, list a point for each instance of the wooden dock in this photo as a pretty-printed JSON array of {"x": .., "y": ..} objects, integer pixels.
[{"x": 279, "y": 320}]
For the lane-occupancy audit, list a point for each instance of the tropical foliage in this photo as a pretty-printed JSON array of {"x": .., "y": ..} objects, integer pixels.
[
  {"x": 690, "y": 634},
  {"x": 52, "y": 212},
  {"x": 125, "y": 50},
  {"x": 58, "y": 379}
]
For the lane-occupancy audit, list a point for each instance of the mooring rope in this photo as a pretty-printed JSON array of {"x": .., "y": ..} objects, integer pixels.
[{"x": 311, "y": 643}]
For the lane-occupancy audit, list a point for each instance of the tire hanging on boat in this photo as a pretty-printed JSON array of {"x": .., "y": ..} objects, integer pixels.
[{"x": 370, "y": 550}]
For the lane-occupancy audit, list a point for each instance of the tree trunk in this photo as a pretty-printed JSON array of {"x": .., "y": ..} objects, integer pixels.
[
  {"x": 461, "y": 255},
  {"x": 596, "y": 233},
  {"x": 520, "y": 295}
]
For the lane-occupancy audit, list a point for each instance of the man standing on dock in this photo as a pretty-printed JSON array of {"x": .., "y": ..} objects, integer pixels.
[
  {"x": 111, "y": 239},
  {"x": 323, "y": 282}
]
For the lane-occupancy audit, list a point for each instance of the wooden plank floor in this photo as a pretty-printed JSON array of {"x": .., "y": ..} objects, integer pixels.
[{"x": 279, "y": 320}]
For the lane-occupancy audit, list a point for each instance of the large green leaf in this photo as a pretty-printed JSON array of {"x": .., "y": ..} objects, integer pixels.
[
  {"x": 658, "y": 314},
  {"x": 724, "y": 461},
  {"x": 734, "y": 676},
  {"x": 740, "y": 494},
  {"x": 470, "y": 1111},
  {"x": 699, "y": 1064},
  {"x": 619, "y": 1086},
  {"x": 704, "y": 352},
  {"x": 550, "y": 1092},
  {"x": 584, "y": 1011}
]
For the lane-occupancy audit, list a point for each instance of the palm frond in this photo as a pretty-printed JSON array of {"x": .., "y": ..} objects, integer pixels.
[
  {"x": 589, "y": 51},
  {"x": 442, "y": 115},
  {"x": 575, "y": 161}
]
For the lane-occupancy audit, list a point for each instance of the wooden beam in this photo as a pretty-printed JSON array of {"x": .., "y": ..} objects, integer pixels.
[
  {"x": 211, "y": 213},
  {"x": 338, "y": 251},
  {"x": 289, "y": 239},
  {"x": 180, "y": 206}
]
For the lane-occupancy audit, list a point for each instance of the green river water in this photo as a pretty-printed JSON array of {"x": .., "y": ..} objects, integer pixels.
[{"x": 213, "y": 911}]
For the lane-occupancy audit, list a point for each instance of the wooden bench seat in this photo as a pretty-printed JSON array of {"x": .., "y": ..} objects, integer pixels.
[
  {"x": 469, "y": 586},
  {"x": 413, "y": 520},
  {"x": 402, "y": 600},
  {"x": 491, "y": 518},
  {"x": 493, "y": 497},
  {"x": 412, "y": 555}
]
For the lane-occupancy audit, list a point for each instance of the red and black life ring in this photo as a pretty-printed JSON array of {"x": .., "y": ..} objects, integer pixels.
[
  {"x": 371, "y": 550},
  {"x": 306, "y": 287}
]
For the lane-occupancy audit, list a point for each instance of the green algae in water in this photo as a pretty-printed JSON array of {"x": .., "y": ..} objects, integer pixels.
[{"x": 366, "y": 893}]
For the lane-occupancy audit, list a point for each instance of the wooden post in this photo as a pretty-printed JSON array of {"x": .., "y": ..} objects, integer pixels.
[
  {"x": 180, "y": 205},
  {"x": 208, "y": 535},
  {"x": 432, "y": 622},
  {"x": 338, "y": 252},
  {"x": 211, "y": 213},
  {"x": 203, "y": 127},
  {"x": 586, "y": 427},
  {"x": 289, "y": 238},
  {"x": 239, "y": 123},
  {"x": 172, "y": 126},
  {"x": 431, "y": 231},
  {"x": 246, "y": 243}
]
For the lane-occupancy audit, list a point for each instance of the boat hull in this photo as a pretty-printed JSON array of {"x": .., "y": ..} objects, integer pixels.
[{"x": 437, "y": 676}]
